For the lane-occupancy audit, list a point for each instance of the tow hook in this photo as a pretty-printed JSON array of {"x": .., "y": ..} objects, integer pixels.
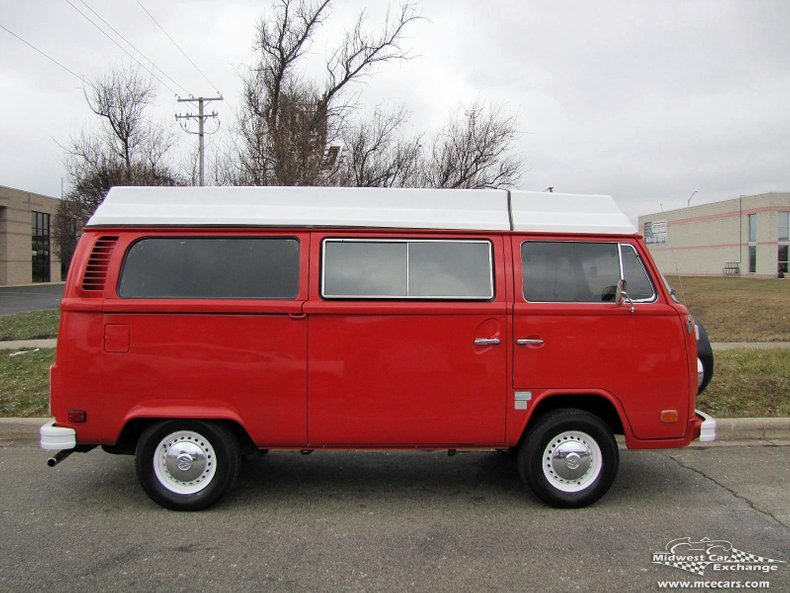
[{"x": 58, "y": 457}]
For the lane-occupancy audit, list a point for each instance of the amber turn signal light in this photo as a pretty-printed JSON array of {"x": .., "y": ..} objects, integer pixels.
[{"x": 669, "y": 416}]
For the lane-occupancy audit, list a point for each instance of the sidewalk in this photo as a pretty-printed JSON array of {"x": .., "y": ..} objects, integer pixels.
[{"x": 729, "y": 431}]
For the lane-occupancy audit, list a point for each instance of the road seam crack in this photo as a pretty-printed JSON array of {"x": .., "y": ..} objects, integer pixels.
[{"x": 730, "y": 490}]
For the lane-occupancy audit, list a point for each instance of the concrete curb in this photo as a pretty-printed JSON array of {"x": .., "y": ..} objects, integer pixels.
[
  {"x": 718, "y": 346},
  {"x": 728, "y": 430},
  {"x": 737, "y": 429},
  {"x": 28, "y": 344}
]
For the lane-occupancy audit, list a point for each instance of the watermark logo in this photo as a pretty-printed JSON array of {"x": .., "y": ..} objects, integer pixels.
[{"x": 717, "y": 555}]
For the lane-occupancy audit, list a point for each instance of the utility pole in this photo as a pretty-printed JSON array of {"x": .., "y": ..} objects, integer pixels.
[{"x": 201, "y": 117}]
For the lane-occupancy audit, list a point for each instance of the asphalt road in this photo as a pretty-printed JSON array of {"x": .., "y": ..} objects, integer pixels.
[
  {"x": 17, "y": 299},
  {"x": 374, "y": 521}
]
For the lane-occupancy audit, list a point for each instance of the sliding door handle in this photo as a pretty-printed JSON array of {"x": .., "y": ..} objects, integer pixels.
[{"x": 529, "y": 342}]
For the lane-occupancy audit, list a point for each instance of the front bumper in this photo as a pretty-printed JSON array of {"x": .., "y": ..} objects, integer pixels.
[
  {"x": 707, "y": 432},
  {"x": 55, "y": 438}
]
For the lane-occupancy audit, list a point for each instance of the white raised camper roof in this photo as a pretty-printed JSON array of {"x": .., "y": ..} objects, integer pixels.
[{"x": 461, "y": 209}]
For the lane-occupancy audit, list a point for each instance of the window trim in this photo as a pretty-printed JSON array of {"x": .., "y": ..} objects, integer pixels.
[
  {"x": 137, "y": 240},
  {"x": 620, "y": 246},
  {"x": 408, "y": 240}
]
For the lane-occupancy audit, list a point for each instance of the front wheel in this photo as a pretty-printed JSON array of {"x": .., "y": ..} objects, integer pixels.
[
  {"x": 187, "y": 465},
  {"x": 569, "y": 459}
]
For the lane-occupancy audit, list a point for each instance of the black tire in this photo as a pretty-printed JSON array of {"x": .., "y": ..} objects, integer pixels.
[
  {"x": 187, "y": 465},
  {"x": 705, "y": 355},
  {"x": 572, "y": 438}
]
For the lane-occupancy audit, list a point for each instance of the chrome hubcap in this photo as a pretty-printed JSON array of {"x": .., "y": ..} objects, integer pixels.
[
  {"x": 571, "y": 461},
  {"x": 185, "y": 462}
]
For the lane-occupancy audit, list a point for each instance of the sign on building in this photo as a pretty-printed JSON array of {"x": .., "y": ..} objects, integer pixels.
[{"x": 656, "y": 232}]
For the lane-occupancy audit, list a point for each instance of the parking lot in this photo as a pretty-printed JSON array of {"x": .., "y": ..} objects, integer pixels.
[
  {"x": 18, "y": 299},
  {"x": 377, "y": 521}
]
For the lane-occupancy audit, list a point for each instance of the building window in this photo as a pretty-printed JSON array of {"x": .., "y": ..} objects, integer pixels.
[
  {"x": 784, "y": 241},
  {"x": 784, "y": 226},
  {"x": 41, "y": 246},
  {"x": 752, "y": 224}
]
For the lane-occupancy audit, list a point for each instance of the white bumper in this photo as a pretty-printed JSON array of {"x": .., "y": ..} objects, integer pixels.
[
  {"x": 57, "y": 437},
  {"x": 707, "y": 431}
]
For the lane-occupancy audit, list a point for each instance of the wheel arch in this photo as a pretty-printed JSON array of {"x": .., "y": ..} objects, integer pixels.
[
  {"x": 135, "y": 426},
  {"x": 598, "y": 404}
]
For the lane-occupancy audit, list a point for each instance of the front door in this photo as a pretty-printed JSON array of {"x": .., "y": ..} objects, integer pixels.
[{"x": 571, "y": 336}]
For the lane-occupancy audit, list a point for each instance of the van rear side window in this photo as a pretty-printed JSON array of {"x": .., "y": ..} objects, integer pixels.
[
  {"x": 568, "y": 272},
  {"x": 407, "y": 269},
  {"x": 211, "y": 268}
]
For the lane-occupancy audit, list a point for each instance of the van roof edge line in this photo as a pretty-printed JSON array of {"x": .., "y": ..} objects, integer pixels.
[{"x": 386, "y": 208}]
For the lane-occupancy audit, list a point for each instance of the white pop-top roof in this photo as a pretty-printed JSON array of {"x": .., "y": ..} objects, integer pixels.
[{"x": 487, "y": 209}]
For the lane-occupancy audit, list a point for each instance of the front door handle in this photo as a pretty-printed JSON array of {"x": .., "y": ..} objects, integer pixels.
[
  {"x": 529, "y": 342},
  {"x": 486, "y": 341}
]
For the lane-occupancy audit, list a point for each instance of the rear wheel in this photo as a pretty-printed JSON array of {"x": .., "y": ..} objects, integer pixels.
[
  {"x": 569, "y": 458},
  {"x": 187, "y": 465}
]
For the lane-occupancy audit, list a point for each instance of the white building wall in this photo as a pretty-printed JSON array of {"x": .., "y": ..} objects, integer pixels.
[{"x": 704, "y": 239}]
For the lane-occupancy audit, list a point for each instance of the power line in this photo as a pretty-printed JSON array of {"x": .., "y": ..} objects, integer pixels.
[
  {"x": 107, "y": 35},
  {"x": 130, "y": 44},
  {"x": 173, "y": 41},
  {"x": 50, "y": 58}
]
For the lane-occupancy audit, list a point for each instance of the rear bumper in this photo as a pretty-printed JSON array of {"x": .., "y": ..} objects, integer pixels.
[
  {"x": 55, "y": 438},
  {"x": 707, "y": 430}
]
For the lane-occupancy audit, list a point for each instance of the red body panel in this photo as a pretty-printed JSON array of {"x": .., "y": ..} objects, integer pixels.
[
  {"x": 311, "y": 372},
  {"x": 638, "y": 358}
]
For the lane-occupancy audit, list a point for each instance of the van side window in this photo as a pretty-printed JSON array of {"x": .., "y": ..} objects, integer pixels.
[
  {"x": 556, "y": 272},
  {"x": 639, "y": 286},
  {"x": 407, "y": 269},
  {"x": 211, "y": 268},
  {"x": 567, "y": 272}
]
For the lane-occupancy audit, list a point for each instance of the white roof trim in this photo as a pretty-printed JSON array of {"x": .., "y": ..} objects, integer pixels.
[
  {"x": 538, "y": 212},
  {"x": 361, "y": 207},
  {"x": 303, "y": 206}
]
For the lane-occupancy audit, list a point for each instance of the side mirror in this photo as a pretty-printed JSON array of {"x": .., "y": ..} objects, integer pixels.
[{"x": 621, "y": 296}]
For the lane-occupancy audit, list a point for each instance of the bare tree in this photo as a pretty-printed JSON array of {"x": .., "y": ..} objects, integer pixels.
[
  {"x": 288, "y": 126},
  {"x": 375, "y": 154},
  {"x": 127, "y": 149},
  {"x": 295, "y": 131},
  {"x": 474, "y": 150}
]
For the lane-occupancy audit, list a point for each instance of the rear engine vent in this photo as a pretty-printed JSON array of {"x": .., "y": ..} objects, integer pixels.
[{"x": 99, "y": 264}]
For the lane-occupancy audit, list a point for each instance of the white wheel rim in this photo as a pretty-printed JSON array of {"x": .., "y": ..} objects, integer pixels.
[
  {"x": 571, "y": 461},
  {"x": 185, "y": 462}
]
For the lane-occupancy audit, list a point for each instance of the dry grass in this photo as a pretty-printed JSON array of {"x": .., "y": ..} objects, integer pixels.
[
  {"x": 738, "y": 309},
  {"x": 24, "y": 383},
  {"x": 29, "y": 326}
]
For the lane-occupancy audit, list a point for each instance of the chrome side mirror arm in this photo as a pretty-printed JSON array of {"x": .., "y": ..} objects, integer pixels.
[{"x": 621, "y": 296}]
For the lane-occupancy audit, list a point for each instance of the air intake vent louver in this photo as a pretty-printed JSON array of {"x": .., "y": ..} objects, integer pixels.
[{"x": 99, "y": 264}]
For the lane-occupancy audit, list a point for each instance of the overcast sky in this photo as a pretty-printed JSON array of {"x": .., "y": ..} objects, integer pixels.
[{"x": 647, "y": 101}]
